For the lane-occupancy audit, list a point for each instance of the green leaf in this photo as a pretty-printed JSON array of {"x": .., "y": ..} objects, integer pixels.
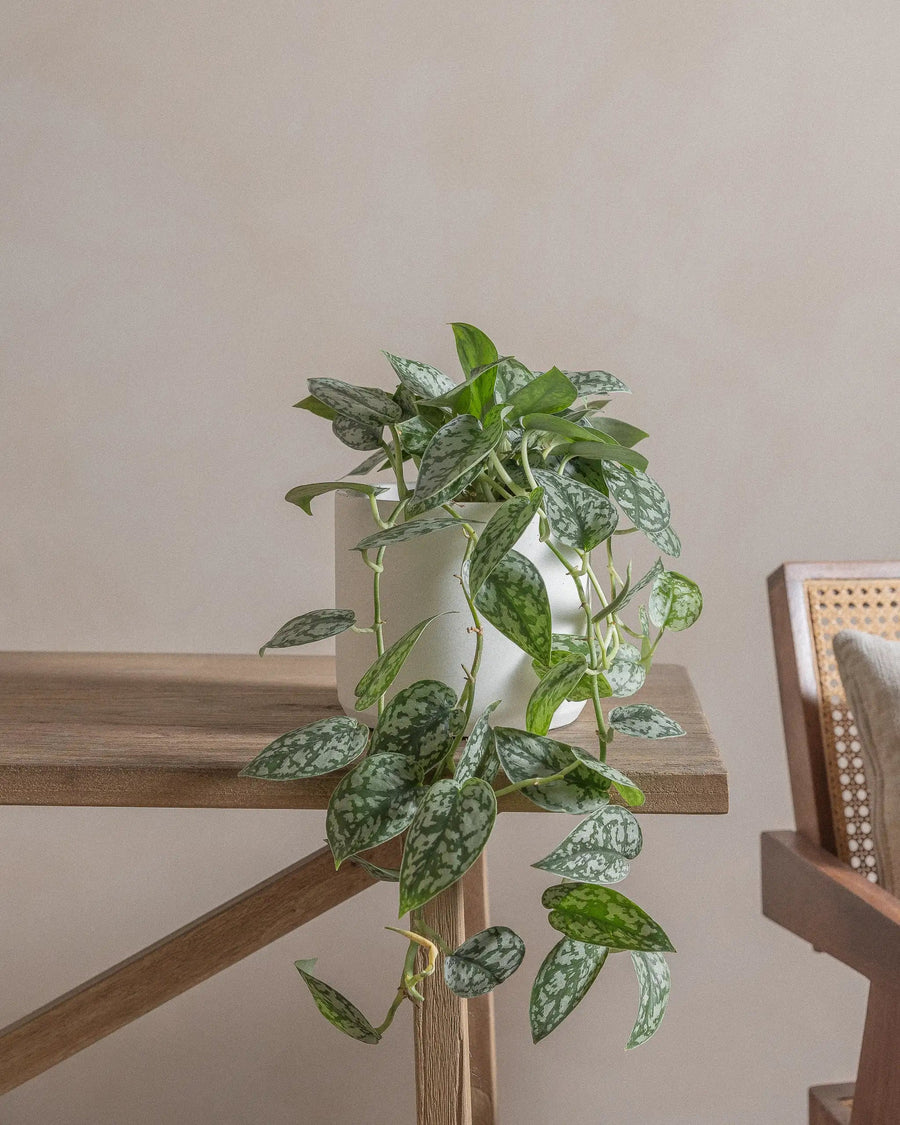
[
  {"x": 473, "y": 347},
  {"x": 447, "y": 836},
  {"x": 564, "y": 644},
  {"x": 383, "y": 874},
  {"x": 640, "y": 497},
  {"x": 310, "y": 751},
  {"x": 502, "y": 531},
  {"x": 317, "y": 407},
  {"x": 628, "y": 591},
  {"x": 667, "y": 540},
  {"x": 623, "y": 433},
  {"x": 626, "y": 673},
  {"x": 523, "y": 756},
  {"x": 420, "y": 721},
  {"x": 336, "y": 1008},
  {"x": 606, "y": 451},
  {"x": 514, "y": 599},
  {"x": 483, "y": 961},
  {"x": 379, "y": 677},
  {"x": 420, "y": 378},
  {"x": 562, "y": 982},
  {"x": 377, "y": 461},
  {"x": 552, "y": 690},
  {"x": 415, "y": 434},
  {"x": 596, "y": 383},
  {"x": 367, "y": 405},
  {"x": 357, "y": 435},
  {"x": 629, "y": 792},
  {"x": 675, "y": 602},
  {"x": 511, "y": 377},
  {"x": 455, "y": 450},
  {"x": 304, "y": 494},
  {"x": 565, "y": 427},
  {"x": 654, "y": 982},
  {"x": 373, "y": 803},
  {"x": 478, "y": 757},
  {"x": 643, "y": 721},
  {"x": 474, "y": 396},
  {"x": 545, "y": 394},
  {"x": 401, "y": 532},
  {"x": 579, "y": 516},
  {"x": 313, "y": 626},
  {"x": 598, "y": 849},
  {"x": 587, "y": 912}
]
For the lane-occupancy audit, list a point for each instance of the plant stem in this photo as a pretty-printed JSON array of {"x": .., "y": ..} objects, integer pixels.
[
  {"x": 523, "y": 453},
  {"x": 533, "y": 782},
  {"x": 497, "y": 465},
  {"x": 397, "y": 463}
]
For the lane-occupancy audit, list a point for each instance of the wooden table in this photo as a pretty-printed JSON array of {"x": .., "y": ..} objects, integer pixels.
[{"x": 173, "y": 731}]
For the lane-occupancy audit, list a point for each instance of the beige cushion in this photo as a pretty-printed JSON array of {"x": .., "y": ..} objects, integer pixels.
[{"x": 870, "y": 672}]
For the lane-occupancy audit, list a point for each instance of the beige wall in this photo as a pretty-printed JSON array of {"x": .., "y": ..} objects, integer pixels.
[{"x": 206, "y": 203}]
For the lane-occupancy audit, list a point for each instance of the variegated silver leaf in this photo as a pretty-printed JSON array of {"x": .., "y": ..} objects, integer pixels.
[
  {"x": 511, "y": 377},
  {"x": 304, "y": 494},
  {"x": 603, "y": 916},
  {"x": 374, "y": 802},
  {"x": 628, "y": 591},
  {"x": 401, "y": 532},
  {"x": 420, "y": 378},
  {"x": 675, "y": 602},
  {"x": 483, "y": 961},
  {"x": 640, "y": 720},
  {"x": 446, "y": 837},
  {"x": 316, "y": 625},
  {"x": 514, "y": 599},
  {"x": 654, "y": 982},
  {"x": 523, "y": 756},
  {"x": 562, "y": 982},
  {"x": 454, "y": 450},
  {"x": 626, "y": 673},
  {"x": 478, "y": 757},
  {"x": 639, "y": 497},
  {"x": 502, "y": 531},
  {"x": 667, "y": 540},
  {"x": 598, "y": 849},
  {"x": 421, "y": 721},
  {"x": 579, "y": 516},
  {"x": 356, "y": 435},
  {"x": 415, "y": 434},
  {"x": 310, "y": 751},
  {"x": 596, "y": 383},
  {"x": 628, "y": 791},
  {"x": 368, "y": 405},
  {"x": 336, "y": 1008},
  {"x": 379, "y": 677}
]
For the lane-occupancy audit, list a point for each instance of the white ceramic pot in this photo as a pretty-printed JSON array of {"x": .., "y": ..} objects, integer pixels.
[{"x": 418, "y": 581}]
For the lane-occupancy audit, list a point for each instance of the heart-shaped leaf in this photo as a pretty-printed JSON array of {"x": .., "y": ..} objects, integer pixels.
[
  {"x": 455, "y": 450},
  {"x": 545, "y": 394},
  {"x": 555, "y": 687},
  {"x": 420, "y": 378},
  {"x": 626, "y": 673},
  {"x": 310, "y": 751},
  {"x": 357, "y": 435},
  {"x": 473, "y": 347},
  {"x": 316, "y": 406},
  {"x": 596, "y": 383},
  {"x": 587, "y": 912},
  {"x": 421, "y": 721},
  {"x": 379, "y": 677},
  {"x": 675, "y": 602},
  {"x": 337, "y": 1009},
  {"x": 401, "y": 532},
  {"x": 523, "y": 756},
  {"x": 447, "y": 836},
  {"x": 654, "y": 982},
  {"x": 579, "y": 516},
  {"x": 313, "y": 626},
  {"x": 639, "y": 497},
  {"x": 562, "y": 982},
  {"x": 598, "y": 849},
  {"x": 483, "y": 961},
  {"x": 640, "y": 720},
  {"x": 502, "y": 531},
  {"x": 367, "y": 405},
  {"x": 372, "y": 804},
  {"x": 304, "y": 494},
  {"x": 514, "y": 599},
  {"x": 667, "y": 540},
  {"x": 478, "y": 757}
]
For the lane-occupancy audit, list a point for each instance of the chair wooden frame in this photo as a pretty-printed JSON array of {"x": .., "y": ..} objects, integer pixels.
[
  {"x": 805, "y": 887},
  {"x": 110, "y": 729}
]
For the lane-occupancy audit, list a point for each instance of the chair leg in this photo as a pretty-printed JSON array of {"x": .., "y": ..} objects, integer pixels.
[
  {"x": 481, "y": 1010},
  {"x": 876, "y": 1100}
]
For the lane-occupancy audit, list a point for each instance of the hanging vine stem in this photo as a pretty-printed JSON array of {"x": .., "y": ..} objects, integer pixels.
[{"x": 377, "y": 567}]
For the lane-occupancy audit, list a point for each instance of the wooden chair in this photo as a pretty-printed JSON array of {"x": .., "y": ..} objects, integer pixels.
[{"x": 821, "y": 882}]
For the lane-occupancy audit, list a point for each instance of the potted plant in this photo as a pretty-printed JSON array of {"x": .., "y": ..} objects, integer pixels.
[{"x": 519, "y": 476}]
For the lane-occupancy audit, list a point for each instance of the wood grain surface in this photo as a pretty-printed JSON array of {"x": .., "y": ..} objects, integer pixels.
[{"x": 174, "y": 730}]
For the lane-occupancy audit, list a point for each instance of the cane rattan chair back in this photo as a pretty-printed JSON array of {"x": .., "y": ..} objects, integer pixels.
[{"x": 810, "y": 603}]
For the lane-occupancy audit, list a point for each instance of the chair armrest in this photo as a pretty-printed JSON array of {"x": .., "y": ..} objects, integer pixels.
[{"x": 813, "y": 894}]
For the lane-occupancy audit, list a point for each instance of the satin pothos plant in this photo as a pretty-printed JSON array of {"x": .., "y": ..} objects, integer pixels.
[{"x": 540, "y": 445}]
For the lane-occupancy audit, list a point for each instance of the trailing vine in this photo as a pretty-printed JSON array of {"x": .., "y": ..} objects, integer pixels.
[{"x": 541, "y": 447}]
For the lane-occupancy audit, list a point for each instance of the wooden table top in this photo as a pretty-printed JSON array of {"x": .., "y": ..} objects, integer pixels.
[{"x": 172, "y": 731}]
